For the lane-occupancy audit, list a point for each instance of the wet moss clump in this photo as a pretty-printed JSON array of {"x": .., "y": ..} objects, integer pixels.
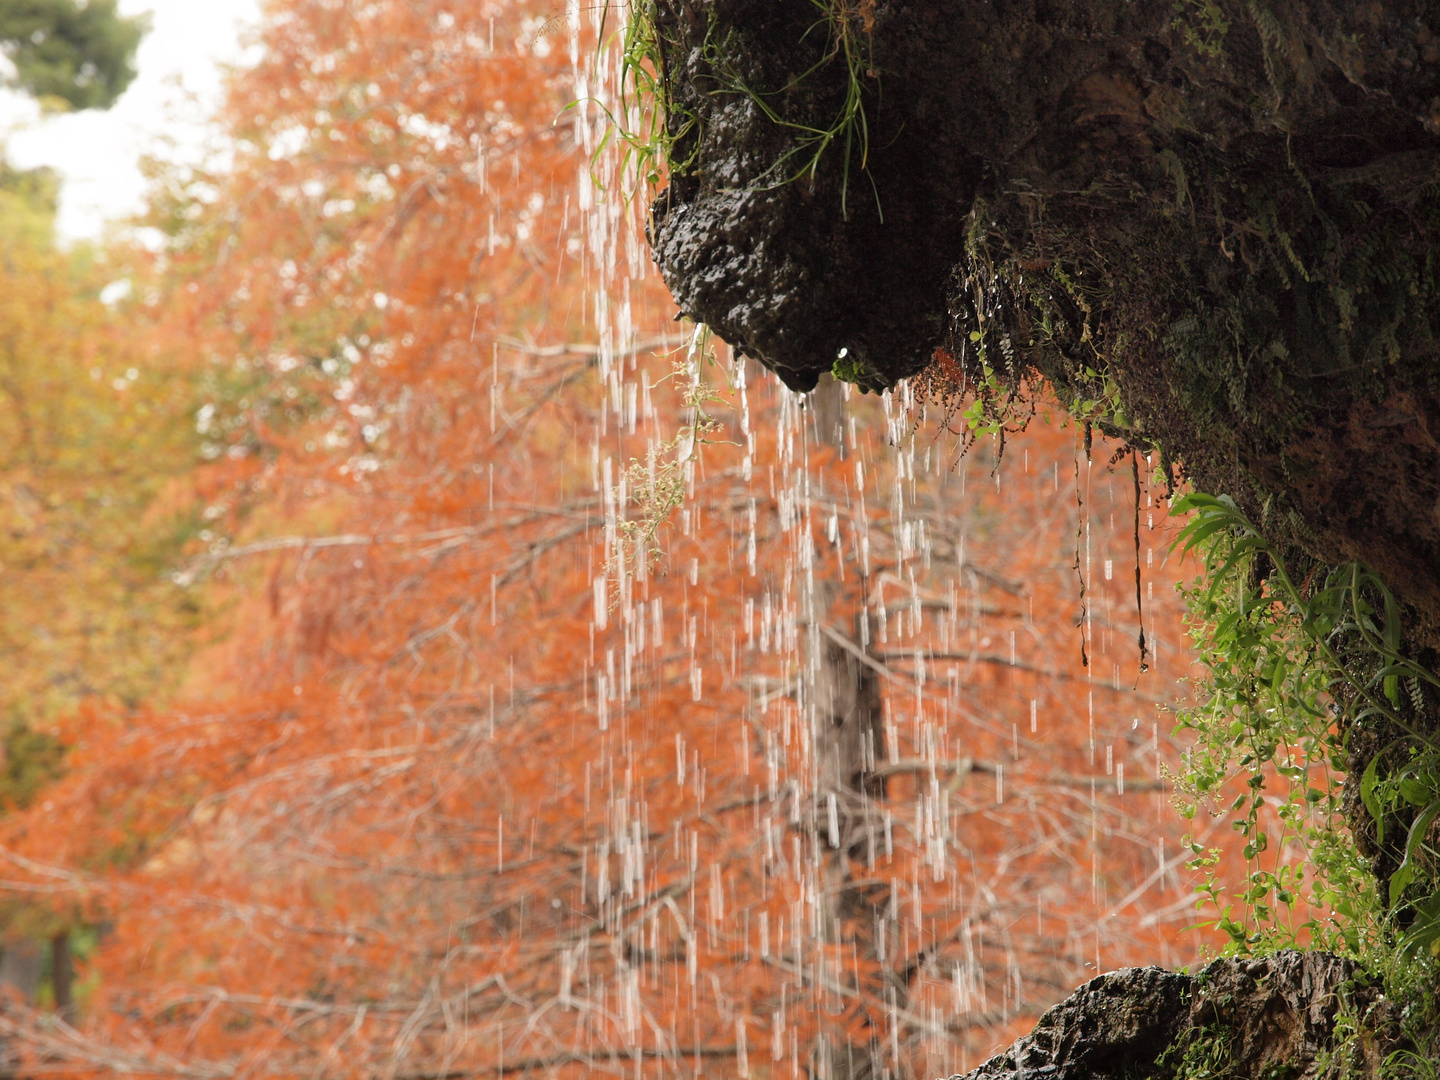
[{"x": 1276, "y": 337}]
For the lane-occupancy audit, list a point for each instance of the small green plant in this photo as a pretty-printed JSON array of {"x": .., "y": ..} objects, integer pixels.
[
  {"x": 846, "y": 25},
  {"x": 1410, "y": 1065},
  {"x": 1202, "y": 1053},
  {"x": 1293, "y": 670},
  {"x": 1203, "y": 25},
  {"x": 852, "y": 369},
  {"x": 648, "y": 125},
  {"x": 981, "y": 375},
  {"x": 1289, "y": 668},
  {"x": 644, "y": 121}
]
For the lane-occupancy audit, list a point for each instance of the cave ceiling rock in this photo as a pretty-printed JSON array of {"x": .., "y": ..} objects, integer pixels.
[{"x": 1216, "y": 217}]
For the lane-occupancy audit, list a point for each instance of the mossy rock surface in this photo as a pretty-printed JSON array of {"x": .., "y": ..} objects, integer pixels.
[
  {"x": 1248, "y": 1019},
  {"x": 1210, "y": 224}
]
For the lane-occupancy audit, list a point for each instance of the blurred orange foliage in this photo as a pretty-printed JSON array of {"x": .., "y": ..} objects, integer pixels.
[{"x": 469, "y": 789}]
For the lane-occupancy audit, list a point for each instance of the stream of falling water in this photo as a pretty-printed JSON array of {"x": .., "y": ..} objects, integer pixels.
[{"x": 897, "y": 842}]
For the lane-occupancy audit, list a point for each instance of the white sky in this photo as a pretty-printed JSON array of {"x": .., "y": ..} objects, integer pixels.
[{"x": 98, "y": 153}]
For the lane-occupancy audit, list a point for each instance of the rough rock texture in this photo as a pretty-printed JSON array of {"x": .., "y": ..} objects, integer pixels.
[
  {"x": 1112, "y": 1026},
  {"x": 1212, "y": 225},
  {"x": 1235, "y": 1018},
  {"x": 1214, "y": 222},
  {"x": 794, "y": 267}
]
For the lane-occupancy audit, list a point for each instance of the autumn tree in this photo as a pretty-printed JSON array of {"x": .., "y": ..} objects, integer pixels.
[
  {"x": 96, "y": 442},
  {"x": 96, "y": 429},
  {"x": 588, "y": 702}
]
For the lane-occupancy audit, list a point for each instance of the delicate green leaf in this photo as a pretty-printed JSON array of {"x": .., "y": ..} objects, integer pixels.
[
  {"x": 1407, "y": 871},
  {"x": 1368, "y": 782}
]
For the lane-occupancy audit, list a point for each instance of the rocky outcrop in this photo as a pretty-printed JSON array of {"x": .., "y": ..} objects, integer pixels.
[
  {"x": 1273, "y": 1017},
  {"x": 1211, "y": 226},
  {"x": 796, "y": 233}
]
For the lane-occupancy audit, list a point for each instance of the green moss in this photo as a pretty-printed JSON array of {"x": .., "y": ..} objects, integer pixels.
[
  {"x": 851, "y": 369},
  {"x": 1229, "y": 333},
  {"x": 1200, "y": 1053}
]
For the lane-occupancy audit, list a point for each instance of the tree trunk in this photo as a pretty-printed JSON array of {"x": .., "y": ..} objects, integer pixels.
[
  {"x": 62, "y": 976},
  {"x": 843, "y": 703}
]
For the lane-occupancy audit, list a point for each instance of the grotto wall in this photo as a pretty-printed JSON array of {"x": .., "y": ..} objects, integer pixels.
[
  {"x": 1210, "y": 224},
  {"x": 1215, "y": 218}
]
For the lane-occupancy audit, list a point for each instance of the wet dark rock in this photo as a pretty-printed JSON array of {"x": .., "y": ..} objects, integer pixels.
[
  {"x": 793, "y": 266},
  {"x": 1214, "y": 229},
  {"x": 1272, "y": 1017},
  {"x": 1222, "y": 218}
]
